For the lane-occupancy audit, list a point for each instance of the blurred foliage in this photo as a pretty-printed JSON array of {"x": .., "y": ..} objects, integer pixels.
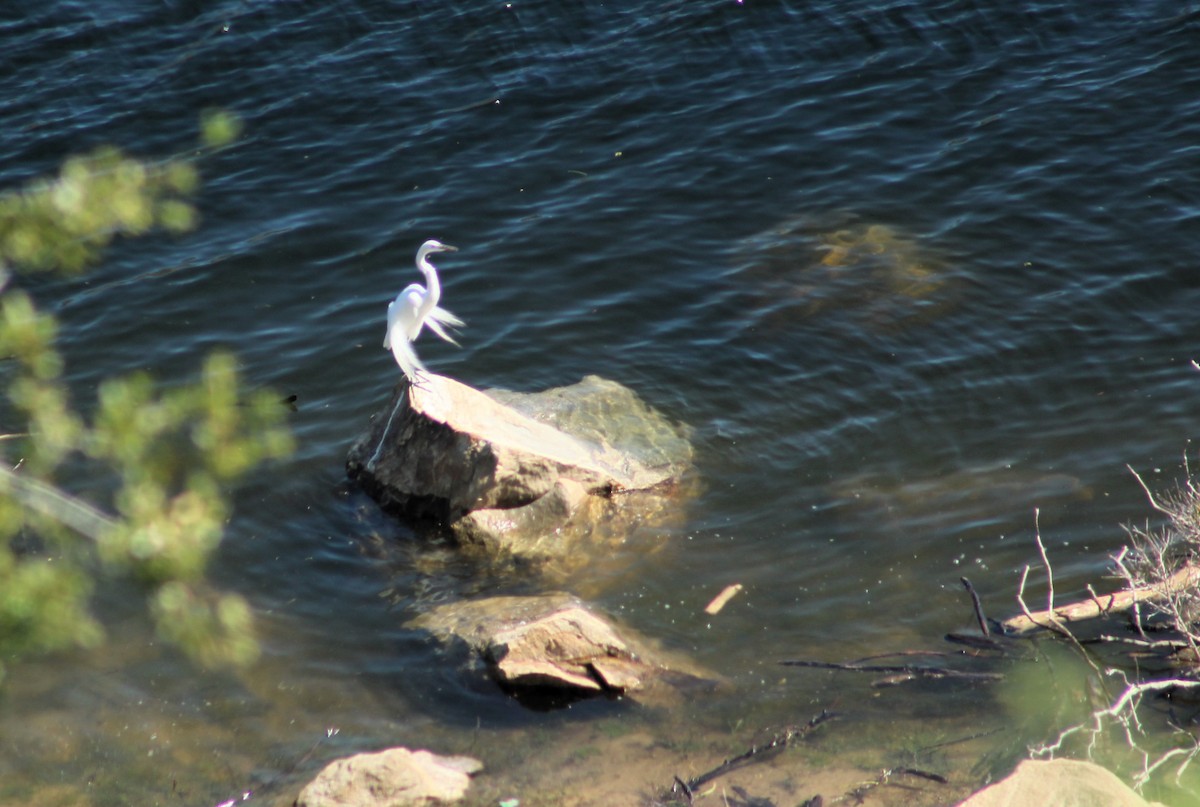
[
  {"x": 219, "y": 128},
  {"x": 64, "y": 223},
  {"x": 167, "y": 456}
]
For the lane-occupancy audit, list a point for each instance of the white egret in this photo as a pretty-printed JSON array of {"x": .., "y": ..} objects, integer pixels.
[{"x": 416, "y": 307}]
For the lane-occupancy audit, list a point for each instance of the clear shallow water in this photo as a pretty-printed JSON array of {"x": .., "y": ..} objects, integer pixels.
[{"x": 657, "y": 195}]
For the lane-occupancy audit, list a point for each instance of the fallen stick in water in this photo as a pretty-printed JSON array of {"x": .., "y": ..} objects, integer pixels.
[
  {"x": 897, "y": 672},
  {"x": 886, "y": 777},
  {"x": 718, "y": 602},
  {"x": 755, "y": 753}
]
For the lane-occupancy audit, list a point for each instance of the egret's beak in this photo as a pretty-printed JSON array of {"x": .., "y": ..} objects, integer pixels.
[{"x": 448, "y": 248}]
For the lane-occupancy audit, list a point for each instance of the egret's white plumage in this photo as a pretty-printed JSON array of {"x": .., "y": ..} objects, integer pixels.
[{"x": 416, "y": 307}]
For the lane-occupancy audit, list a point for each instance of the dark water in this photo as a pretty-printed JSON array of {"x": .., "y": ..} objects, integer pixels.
[{"x": 910, "y": 271}]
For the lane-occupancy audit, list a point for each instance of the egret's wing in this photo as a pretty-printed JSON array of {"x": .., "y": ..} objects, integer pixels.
[
  {"x": 439, "y": 317},
  {"x": 402, "y": 312},
  {"x": 402, "y": 315},
  {"x": 408, "y": 304},
  {"x": 391, "y": 321}
]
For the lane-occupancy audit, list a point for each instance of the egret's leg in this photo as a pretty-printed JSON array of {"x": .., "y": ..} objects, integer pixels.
[
  {"x": 416, "y": 379},
  {"x": 379, "y": 448}
]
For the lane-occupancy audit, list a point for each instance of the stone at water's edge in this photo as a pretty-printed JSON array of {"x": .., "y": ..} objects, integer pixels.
[
  {"x": 396, "y": 777},
  {"x": 553, "y": 642},
  {"x": 523, "y": 473},
  {"x": 1058, "y": 783}
]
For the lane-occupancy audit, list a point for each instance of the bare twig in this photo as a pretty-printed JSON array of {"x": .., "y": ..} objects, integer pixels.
[
  {"x": 1049, "y": 617},
  {"x": 1153, "y": 502},
  {"x": 50, "y": 501},
  {"x": 1119, "y": 562},
  {"x": 1122, "y": 714},
  {"x": 1148, "y": 767},
  {"x": 1169, "y": 645},
  {"x": 1048, "y": 620},
  {"x": 1037, "y": 534},
  {"x": 979, "y": 616}
]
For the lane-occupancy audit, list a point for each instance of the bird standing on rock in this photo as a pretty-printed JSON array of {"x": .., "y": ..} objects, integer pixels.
[{"x": 416, "y": 307}]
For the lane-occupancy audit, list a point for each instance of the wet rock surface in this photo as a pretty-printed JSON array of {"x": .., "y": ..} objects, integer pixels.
[
  {"x": 554, "y": 478},
  {"x": 527, "y": 474},
  {"x": 554, "y": 642}
]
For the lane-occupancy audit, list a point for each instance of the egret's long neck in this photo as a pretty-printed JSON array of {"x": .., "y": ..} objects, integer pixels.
[{"x": 433, "y": 288}]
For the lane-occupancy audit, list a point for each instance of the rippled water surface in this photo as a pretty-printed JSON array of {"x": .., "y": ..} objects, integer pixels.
[{"x": 909, "y": 270}]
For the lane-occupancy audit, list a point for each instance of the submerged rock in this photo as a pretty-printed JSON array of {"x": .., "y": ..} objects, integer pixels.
[
  {"x": 878, "y": 275},
  {"x": 527, "y": 474},
  {"x": 556, "y": 647},
  {"x": 396, "y": 777}
]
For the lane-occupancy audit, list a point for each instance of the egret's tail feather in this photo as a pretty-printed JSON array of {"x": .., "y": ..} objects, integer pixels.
[
  {"x": 440, "y": 317},
  {"x": 446, "y": 318},
  {"x": 406, "y": 357}
]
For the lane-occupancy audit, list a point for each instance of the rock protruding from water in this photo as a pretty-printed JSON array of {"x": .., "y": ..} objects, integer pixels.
[
  {"x": 555, "y": 646},
  {"x": 525, "y": 474},
  {"x": 396, "y": 777}
]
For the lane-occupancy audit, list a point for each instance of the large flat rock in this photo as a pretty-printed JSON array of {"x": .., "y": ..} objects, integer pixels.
[{"x": 523, "y": 473}]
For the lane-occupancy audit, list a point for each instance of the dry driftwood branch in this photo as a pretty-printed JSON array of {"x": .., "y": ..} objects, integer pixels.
[
  {"x": 1056, "y": 618},
  {"x": 1101, "y": 605}
]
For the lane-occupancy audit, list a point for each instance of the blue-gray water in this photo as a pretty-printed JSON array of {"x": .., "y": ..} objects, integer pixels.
[{"x": 910, "y": 270}]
